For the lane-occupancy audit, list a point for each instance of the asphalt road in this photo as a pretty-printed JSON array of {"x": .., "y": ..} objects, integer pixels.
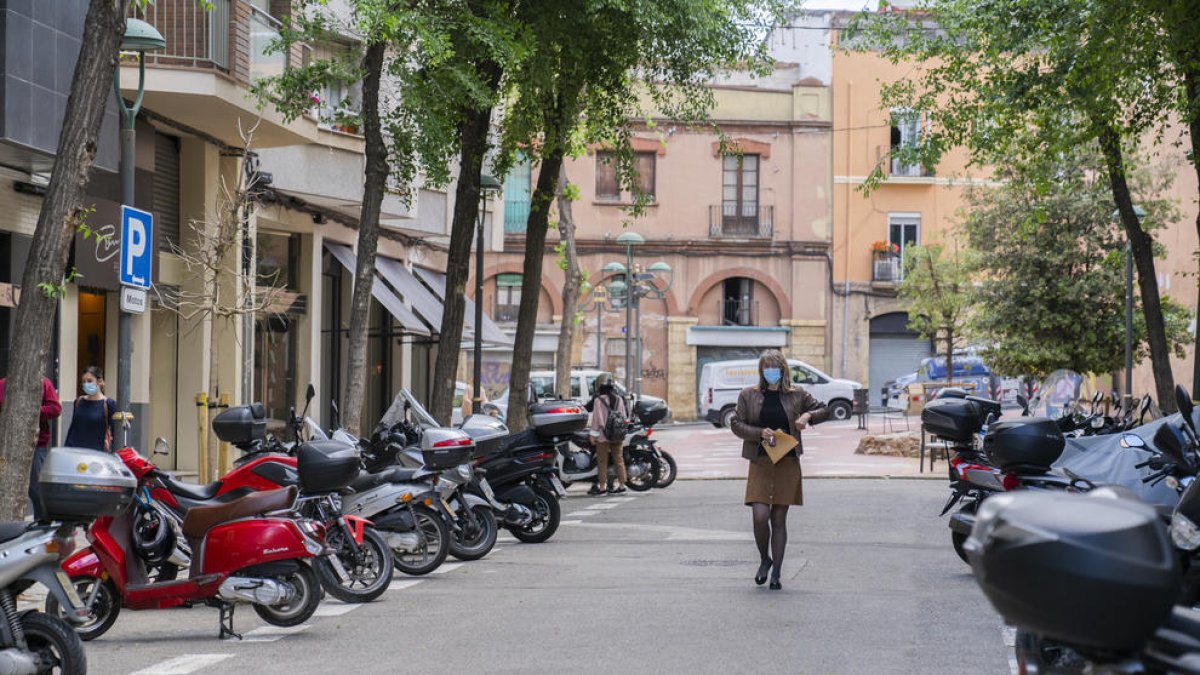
[{"x": 653, "y": 583}]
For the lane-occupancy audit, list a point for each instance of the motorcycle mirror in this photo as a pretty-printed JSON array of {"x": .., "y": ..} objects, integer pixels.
[
  {"x": 1132, "y": 441},
  {"x": 310, "y": 393},
  {"x": 161, "y": 447},
  {"x": 1183, "y": 400},
  {"x": 1169, "y": 439}
]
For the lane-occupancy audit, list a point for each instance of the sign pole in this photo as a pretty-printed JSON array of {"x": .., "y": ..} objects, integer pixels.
[{"x": 124, "y": 319}]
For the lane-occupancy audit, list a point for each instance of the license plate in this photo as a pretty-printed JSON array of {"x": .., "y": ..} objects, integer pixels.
[
  {"x": 487, "y": 490},
  {"x": 69, "y": 587},
  {"x": 558, "y": 486}
]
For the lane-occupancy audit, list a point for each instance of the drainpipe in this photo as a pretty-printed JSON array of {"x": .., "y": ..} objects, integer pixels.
[{"x": 845, "y": 323}]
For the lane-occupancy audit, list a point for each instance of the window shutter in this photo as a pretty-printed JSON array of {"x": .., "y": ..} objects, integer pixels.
[
  {"x": 606, "y": 176},
  {"x": 166, "y": 190}
]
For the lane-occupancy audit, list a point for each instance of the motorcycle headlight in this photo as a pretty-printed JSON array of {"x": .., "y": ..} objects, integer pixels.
[
  {"x": 464, "y": 472},
  {"x": 1184, "y": 532}
]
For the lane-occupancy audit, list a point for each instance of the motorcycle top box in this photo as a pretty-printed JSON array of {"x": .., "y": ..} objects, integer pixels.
[
  {"x": 487, "y": 432},
  {"x": 650, "y": 413},
  {"x": 241, "y": 425},
  {"x": 1026, "y": 444},
  {"x": 326, "y": 466},
  {"x": 80, "y": 484},
  {"x": 958, "y": 419},
  {"x": 553, "y": 419},
  {"x": 1091, "y": 571},
  {"x": 443, "y": 449}
]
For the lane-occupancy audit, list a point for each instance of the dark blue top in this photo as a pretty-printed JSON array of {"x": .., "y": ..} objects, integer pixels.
[{"x": 88, "y": 423}]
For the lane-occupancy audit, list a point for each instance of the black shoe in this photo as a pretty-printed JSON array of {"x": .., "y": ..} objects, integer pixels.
[
  {"x": 763, "y": 568},
  {"x": 775, "y": 585},
  {"x": 595, "y": 491}
]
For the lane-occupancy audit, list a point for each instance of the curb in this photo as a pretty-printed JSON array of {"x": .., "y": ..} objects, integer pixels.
[{"x": 825, "y": 477}]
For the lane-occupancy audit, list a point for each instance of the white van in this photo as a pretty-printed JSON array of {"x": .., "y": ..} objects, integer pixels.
[{"x": 722, "y": 381}]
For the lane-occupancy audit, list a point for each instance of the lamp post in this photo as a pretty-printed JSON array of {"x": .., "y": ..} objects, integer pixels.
[
  {"x": 1140, "y": 213},
  {"x": 637, "y": 284},
  {"x": 139, "y": 37},
  {"x": 599, "y": 299},
  {"x": 488, "y": 185}
]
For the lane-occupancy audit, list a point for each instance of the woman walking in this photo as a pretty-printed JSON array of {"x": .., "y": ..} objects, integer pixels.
[
  {"x": 774, "y": 404},
  {"x": 91, "y": 418}
]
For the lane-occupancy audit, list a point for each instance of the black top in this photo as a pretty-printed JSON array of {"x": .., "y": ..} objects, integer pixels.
[
  {"x": 773, "y": 416},
  {"x": 88, "y": 423}
]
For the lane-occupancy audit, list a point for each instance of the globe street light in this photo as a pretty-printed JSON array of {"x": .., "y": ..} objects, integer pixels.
[
  {"x": 628, "y": 292},
  {"x": 139, "y": 37}
]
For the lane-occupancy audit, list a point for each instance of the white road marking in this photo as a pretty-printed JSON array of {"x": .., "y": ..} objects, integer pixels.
[
  {"x": 601, "y": 507},
  {"x": 505, "y": 539},
  {"x": 677, "y": 533},
  {"x": 619, "y": 500},
  {"x": 333, "y": 608},
  {"x": 570, "y": 522},
  {"x": 447, "y": 567},
  {"x": 271, "y": 633},
  {"x": 401, "y": 584},
  {"x": 1009, "y": 635},
  {"x": 579, "y": 514},
  {"x": 182, "y": 665}
]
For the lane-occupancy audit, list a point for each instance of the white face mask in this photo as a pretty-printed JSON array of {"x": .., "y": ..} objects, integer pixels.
[{"x": 90, "y": 388}]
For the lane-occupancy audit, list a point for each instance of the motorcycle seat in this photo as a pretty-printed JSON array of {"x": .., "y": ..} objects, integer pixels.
[
  {"x": 11, "y": 530},
  {"x": 200, "y": 519},
  {"x": 191, "y": 490},
  {"x": 524, "y": 439},
  {"x": 399, "y": 474}
]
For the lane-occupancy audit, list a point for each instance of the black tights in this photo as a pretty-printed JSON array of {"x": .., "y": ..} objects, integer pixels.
[{"x": 770, "y": 525}]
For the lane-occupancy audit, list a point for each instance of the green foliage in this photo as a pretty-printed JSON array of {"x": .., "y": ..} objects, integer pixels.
[
  {"x": 938, "y": 292},
  {"x": 1051, "y": 269}
]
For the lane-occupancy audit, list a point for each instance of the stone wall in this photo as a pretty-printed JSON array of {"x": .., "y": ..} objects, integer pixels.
[
  {"x": 681, "y": 370},
  {"x": 807, "y": 341}
]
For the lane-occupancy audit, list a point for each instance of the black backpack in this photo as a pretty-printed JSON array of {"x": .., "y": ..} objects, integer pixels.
[{"x": 616, "y": 424}]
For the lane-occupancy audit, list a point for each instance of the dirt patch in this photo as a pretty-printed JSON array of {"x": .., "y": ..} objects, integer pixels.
[{"x": 905, "y": 444}]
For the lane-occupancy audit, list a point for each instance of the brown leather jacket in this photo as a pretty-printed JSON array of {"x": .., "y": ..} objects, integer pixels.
[{"x": 749, "y": 406}]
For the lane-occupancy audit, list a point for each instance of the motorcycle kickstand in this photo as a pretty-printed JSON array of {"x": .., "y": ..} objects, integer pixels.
[{"x": 227, "y": 622}]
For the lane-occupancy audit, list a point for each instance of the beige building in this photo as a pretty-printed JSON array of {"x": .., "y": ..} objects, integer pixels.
[{"x": 747, "y": 237}]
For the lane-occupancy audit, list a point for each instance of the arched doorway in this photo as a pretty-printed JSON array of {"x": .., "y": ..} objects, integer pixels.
[{"x": 895, "y": 350}]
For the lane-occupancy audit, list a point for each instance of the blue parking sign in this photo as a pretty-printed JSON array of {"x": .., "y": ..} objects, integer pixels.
[{"x": 137, "y": 254}]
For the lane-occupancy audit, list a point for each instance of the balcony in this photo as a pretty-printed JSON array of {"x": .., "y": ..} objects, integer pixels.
[
  {"x": 886, "y": 270},
  {"x": 264, "y": 29},
  {"x": 745, "y": 221},
  {"x": 196, "y": 37},
  {"x": 507, "y": 313},
  {"x": 901, "y": 169},
  {"x": 738, "y": 312}
]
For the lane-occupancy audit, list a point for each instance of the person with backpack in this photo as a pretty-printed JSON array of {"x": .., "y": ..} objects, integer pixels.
[
  {"x": 607, "y": 429},
  {"x": 91, "y": 416}
]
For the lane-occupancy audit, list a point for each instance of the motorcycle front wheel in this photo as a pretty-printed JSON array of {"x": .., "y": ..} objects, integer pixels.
[
  {"x": 641, "y": 470},
  {"x": 546, "y": 515},
  {"x": 102, "y": 613},
  {"x": 368, "y": 577},
  {"x": 667, "y": 470},
  {"x": 59, "y": 649},
  {"x": 435, "y": 544},
  {"x": 300, "y": 609},
  {"x": 474, "y": 542}
]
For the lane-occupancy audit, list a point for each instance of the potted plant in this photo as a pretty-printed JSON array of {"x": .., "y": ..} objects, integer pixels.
[
  {"x": 346, "y": 121},
  {"x": 885, "y": 249}
]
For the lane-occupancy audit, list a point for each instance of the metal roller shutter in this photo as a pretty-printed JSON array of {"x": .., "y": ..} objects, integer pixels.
[
  {"x": 166, "y": 190},
  {"x": 891, "y": 356}
]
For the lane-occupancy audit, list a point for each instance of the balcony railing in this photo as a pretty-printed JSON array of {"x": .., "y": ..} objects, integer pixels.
[
  {"x": 738, "y": 312},
  {"x": 516, "y": 214},
  {"x": 745, "y": 221},
  {"x": 886, "y": 270},
  {"x": 196, "y": 37},
  {"x": 507, "y": 313},
  {"x": 903, "y": 170},
  {"x": 264, "y": 29}
]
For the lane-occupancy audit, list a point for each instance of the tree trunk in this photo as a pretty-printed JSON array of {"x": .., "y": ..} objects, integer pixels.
[
  {"x": 949, "y": 356},
  {"x": 47, "y": 259},
  {"x": 560, "y": 120},
  {"x": 1191, "y": 79},
  {"x": 570, "y": 292},
  {"x": 1143, "y": 257},
  {"x": 474, "y": 134},
  {"x": 368, "y": 239}
]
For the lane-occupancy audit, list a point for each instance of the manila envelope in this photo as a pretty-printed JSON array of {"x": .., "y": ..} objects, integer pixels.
[{"x": 784, "y": 442}]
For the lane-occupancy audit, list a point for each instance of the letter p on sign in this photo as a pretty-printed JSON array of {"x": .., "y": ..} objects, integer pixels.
[{"x": 137, "y": 255}]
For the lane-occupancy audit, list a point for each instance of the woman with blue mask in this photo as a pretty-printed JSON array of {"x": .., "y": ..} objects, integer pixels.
[
  {"x": 91, "y": 416},
  {"x": 774, "y": 404}
]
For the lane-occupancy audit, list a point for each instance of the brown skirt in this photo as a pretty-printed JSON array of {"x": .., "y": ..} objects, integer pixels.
[{"x": 779, "y": 483}]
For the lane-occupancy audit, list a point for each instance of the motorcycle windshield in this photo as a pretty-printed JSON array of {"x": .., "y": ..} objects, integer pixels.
[
  {"x": 396, "y": 412},
  {"x": 1059, "y": 394}
]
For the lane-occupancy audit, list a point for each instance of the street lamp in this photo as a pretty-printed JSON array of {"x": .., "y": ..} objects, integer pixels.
[
  {"x": 488, "y": 185},
  {"x": 1140, "y": 213},
  {"x": 139, "y": 37},
  {"x": 637, "y": 284}
]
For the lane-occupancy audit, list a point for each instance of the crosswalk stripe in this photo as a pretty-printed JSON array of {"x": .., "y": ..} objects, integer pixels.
[
  {"x": 330, "y": 608},
  {"x": 447, "y": 567},
  {"x": 401, "y": 584},
  {"x": 272, "y": 633},
  {"x": 182, "y": 665}
]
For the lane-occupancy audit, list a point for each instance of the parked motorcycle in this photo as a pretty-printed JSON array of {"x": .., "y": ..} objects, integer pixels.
[
  {"x": 580, "y": 464},
  {"x": 33, "y": 642},
  {"x": 255, "y": 549}
]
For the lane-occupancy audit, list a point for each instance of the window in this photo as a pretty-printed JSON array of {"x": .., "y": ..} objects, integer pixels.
[
  {"x": 339, "y": 100},
  {"x": 904, "y": 231},
  {"x": 802, "y": 375},
  {"x": 508, "y": 296},
  {"x": 278, "y": 254},
  {"x": 737, "y": 302},
  {"x": 906, "y": 134},
  {"x": 608, "y": 186},
  {"x": 516, "y": 195},
  {"x": 739, "y": 194}
]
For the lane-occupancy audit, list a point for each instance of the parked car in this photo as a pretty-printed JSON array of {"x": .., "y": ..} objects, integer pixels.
[
  {"x": 970, "y": 372},
  {"x": 582, "y": 386},
  {"x": 722, "y": 381}
]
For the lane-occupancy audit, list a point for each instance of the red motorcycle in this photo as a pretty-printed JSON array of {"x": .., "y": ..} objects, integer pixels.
[{"x": 254, "y": 549}]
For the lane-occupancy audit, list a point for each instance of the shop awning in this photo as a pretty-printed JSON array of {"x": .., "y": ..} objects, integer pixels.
[
  {"x": 382, "y": 293},
  {"x": 492, "y": 334},
  {"x": 426, "y": 304}
]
